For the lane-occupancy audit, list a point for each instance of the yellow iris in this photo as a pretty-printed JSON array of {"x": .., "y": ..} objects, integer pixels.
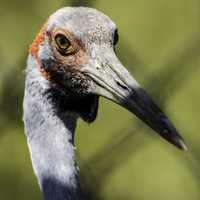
[{"x": 63, "y": 43}]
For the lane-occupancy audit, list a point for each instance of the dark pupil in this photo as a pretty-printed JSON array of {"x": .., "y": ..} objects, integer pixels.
[
  {"x": 116, "y": 37},
  {"x": 62, "y": 41}
]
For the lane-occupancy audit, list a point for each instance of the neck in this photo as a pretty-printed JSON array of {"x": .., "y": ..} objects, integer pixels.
[{"x": 50, "y": 136}]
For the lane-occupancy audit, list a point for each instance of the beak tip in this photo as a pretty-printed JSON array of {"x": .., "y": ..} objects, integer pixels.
[
  {"x": 171, "y": 134},
  {"x": 179, "y": 142},
  {"x": 182, "y": 145}
]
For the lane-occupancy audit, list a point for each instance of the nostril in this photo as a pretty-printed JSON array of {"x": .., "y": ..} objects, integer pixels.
[{"x": 121, "y": 85}]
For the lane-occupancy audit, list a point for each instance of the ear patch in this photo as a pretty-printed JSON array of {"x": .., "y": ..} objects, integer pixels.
[{"x": 39, "y": 39}]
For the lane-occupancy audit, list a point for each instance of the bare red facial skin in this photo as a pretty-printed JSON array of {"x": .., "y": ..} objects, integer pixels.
[
  {"x": 34, "y": 49},
  {"x": 77, "y": 55},
  {"x": 39, "y": 40},
  {"x": 72, "y": 61}
]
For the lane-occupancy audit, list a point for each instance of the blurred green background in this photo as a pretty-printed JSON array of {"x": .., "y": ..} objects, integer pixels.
[{"x": 119, "y": 157}]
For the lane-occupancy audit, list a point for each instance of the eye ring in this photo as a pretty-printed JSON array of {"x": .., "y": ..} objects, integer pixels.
[{"x": 63, "y": 44}]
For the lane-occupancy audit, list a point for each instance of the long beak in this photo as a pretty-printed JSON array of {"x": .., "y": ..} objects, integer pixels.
[{"x": 112, "y": 81}]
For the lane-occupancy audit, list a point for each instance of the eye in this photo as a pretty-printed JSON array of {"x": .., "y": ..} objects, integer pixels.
[
  {"x": 116, "y": 37},
  {"x": 63, "y": 44}
]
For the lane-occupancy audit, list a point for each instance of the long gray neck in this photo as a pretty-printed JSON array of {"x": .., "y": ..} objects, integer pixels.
[{"x": 50, "y": 134}]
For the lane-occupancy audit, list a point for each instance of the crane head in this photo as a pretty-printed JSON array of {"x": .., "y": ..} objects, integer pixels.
[{"x": 75, "y": 52}]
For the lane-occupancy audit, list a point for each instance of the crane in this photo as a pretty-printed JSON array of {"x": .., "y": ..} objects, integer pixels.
[{"x": 71, "y": 63}]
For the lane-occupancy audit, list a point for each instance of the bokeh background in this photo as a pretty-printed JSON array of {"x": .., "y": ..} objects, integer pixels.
[{"x": 119, "y": 157}]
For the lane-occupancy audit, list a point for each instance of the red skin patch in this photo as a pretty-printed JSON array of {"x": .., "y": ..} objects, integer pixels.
[
  {"x": 72, "y": 61},
  {"x": 34, "y": 48},
  {"x": 39, "y": 39}
]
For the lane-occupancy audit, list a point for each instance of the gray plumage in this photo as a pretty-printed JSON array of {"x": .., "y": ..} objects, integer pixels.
[
  {"x": 50, "y": 135},
  {"x": 60, "y": 87}
]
